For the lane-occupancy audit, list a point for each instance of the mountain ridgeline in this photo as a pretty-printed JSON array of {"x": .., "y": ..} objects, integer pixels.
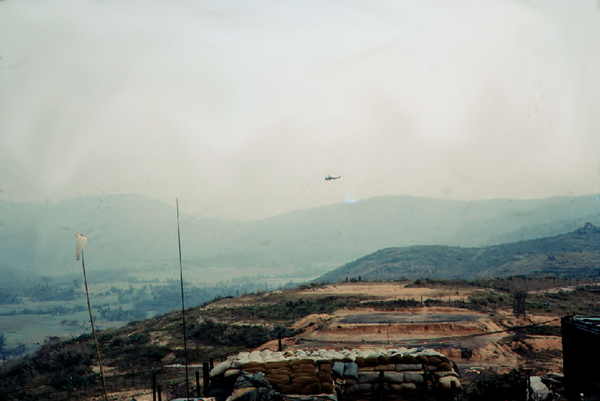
[
  {"x": 132, "y": 233},
  {"x": 575, "y": 254}
]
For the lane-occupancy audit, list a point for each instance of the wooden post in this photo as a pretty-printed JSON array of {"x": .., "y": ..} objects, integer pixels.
[
  {"x": 159, "y": 390},
  {"x": 198, "y": 384},
  {"x": 205, "y": 378},
  {"x": 381, "y": 385},
  {"x": 212, "y": 363},
  {"x": 279, "y": 348},
  {"x": 453, "y": 390},
  {"x": 154, "y": 386},
  {"x": 425, "y": 385}
]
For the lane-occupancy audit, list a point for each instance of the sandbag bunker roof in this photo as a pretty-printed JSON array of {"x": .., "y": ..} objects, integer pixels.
[{"x": 394, "y": 374}]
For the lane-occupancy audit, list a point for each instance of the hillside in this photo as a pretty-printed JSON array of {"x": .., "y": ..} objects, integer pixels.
[
  {"x": 354, "y": 315},
  {"x": 574, "y": 254},
  {"x": 134, "y": 233}
]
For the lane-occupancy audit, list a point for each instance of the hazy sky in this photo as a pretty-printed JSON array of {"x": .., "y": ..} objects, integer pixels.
[{"x": 241, "y": 108}]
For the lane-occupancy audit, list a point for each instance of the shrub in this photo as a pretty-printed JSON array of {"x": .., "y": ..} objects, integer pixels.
[{"x": 498, "y": 387}]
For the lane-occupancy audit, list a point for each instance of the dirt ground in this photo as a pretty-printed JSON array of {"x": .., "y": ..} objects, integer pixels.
[
  {"x": 469, "y": 338},
  {"x": 389, "y": 291},
  {"x": 475, "y": 341}
]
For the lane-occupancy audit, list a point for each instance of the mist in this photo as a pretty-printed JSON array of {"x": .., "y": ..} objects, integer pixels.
[{"x": 241, "y": 109}]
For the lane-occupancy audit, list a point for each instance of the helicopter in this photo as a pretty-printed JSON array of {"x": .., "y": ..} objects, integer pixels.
[{"x": 329, "y": 178}]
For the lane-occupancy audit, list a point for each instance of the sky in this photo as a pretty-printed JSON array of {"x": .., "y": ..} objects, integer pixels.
[{"x": 241, "y": 108}]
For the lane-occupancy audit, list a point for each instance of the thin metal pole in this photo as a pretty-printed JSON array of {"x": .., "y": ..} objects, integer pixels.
[
  {"x": 187, "y": 382},
  {"x": 87, "y": 293}
]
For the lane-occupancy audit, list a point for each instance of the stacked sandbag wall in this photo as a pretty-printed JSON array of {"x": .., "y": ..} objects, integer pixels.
[
  {"x": 398, "y": 375},
  {"x": 355, "y": 374}
]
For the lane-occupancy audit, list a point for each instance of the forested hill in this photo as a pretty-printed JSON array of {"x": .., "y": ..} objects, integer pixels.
[{"x": 573, "y": 254}]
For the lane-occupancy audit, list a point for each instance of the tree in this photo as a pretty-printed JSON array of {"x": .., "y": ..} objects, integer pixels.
[{"x": 519, "y": 304}]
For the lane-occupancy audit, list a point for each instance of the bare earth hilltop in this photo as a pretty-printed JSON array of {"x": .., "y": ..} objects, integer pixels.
[{"x": 471, "y": 322}]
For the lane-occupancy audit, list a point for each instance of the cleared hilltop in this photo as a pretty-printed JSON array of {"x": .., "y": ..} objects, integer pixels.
[{"x": 443, "y": 316}]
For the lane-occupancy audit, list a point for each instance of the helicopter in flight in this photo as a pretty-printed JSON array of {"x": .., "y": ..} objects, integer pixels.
[{"x": 329, "y": 178}]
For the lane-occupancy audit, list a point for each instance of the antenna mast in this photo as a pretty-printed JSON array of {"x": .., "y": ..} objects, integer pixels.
[{"x": 187, "y": 382}]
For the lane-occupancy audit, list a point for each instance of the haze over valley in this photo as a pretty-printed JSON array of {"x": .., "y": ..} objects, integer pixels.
[{"x": 375, "y": 145}]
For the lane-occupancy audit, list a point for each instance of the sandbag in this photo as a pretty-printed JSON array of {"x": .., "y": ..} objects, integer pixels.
[
  {"x": 278, "y": 378},
  {"x": 221, "y": 368},
  {"x": 325, "y": 377},
  {"x": 408, "y": 387},
  {"x": 298, "y": 362},
  {"x": 369, "y": 378},
  {"x": 444, "y": 367},
  {"x": 434, "y": 360},
  {"x": 439, "y": 374},
  {"x": 395, "y": 359},
  {"x": 409, "y": 360},
  {"x": 280, "y": 364},
  {"x": 302, "y": 374},
  {"x": 413, "y": 377},
  {"x": 402, "y": 367},
  {"x": 351, "y": 371},
  {"x": 359, "y": 388},
  {"x": 304, "y": 369},
  {"x": 372, "y": 361},
  {"x": 313, "y": 388},
  {"x": 305, "y": 380},
  {"x": 232, "y": 372},
  {"x": 446, "y": 383},
  {"x": 393, "y": 377},
  {"x": 254, "y": 364},
  {"x": 293, "y": 388},
  {"x": 338, "y": 369},
  {"x": 383, "y": 360},
  {"x": 327, "y": 388}
]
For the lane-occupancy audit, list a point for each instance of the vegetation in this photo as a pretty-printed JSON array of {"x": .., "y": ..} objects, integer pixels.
[
  {"x": 498, "y": 387},
  {"x": 214, "y": 333},
  {"x": 64, "y": 365},
  {"x": 287, "y": 310},
  {"x": 575, "y": 254},
  {"x": 226, "y": 325}
]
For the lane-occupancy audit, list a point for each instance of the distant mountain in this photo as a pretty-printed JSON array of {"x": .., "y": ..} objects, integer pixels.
[
  {"x": 573, "y": 254},
  {"x": 132, "y": 233}
]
